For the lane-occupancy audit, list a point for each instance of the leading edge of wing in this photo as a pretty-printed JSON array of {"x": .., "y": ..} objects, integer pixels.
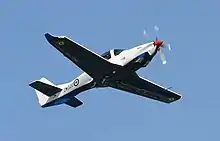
[
  {"x": 51, "y": 37},
  {"x": 81, "y": 56}
]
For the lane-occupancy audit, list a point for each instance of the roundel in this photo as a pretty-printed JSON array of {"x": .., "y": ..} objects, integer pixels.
[
  {"x": 60, "y": 43},
  {"x": 76, "y": 82}
]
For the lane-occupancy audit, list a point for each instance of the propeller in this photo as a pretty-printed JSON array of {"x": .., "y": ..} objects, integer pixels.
[{"x": 160, "y": 45}]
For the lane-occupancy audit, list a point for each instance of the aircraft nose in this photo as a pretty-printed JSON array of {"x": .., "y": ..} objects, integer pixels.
[{"x": 158, "y": 43}]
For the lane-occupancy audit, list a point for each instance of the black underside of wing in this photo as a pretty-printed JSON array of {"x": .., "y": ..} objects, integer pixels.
[{"x": 145, "y": 88}]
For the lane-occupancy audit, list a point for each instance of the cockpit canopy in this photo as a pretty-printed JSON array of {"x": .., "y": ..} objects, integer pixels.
[
  {"x": 107, "y": 55},
  {"x": 118, "y": 51}
]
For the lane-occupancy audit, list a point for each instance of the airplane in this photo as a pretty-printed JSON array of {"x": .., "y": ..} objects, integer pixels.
[{"x": 116, "y": 68}]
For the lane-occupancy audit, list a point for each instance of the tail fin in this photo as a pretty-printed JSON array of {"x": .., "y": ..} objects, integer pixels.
[{"x": 44, "y": 89}]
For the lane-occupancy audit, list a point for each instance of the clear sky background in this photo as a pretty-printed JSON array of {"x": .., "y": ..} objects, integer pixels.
[{"x": 190, "y": 26}]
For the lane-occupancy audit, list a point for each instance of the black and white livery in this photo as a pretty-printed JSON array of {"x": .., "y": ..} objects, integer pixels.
[{"x": 115, "y": 68}]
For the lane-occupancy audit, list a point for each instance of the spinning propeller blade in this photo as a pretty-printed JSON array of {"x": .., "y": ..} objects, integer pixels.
[
  {"x": 146, "y": 35},
  {"x": 166, "y": 45},
  {"x": 162, "y": 57},
  {"x": 156, "y": 28}
]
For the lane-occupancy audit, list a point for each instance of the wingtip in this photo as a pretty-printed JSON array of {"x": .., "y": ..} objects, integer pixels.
[
  {"x": 180, "y": 97},
  {"x": 48, "y": 36},
  {"x": 174, "y": 99}
]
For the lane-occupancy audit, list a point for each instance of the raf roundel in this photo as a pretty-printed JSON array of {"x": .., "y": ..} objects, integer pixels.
[
  {"x": 60, "y": 43},
  {"x": 76, "y": 82}
]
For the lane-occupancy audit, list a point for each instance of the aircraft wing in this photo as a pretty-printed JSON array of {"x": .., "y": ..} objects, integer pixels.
[
  {"x": 140, "y": 86},
  {"x": 90, "y": 62},
  {"x": 74, "y": 102}
]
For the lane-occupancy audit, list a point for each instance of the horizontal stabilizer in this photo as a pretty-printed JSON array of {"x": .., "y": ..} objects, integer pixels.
[
  {"x": 46, "y": 89},
  {"x": 74, "y": 102}
]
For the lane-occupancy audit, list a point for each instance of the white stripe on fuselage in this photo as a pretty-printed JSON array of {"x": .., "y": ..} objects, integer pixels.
[{"x": 78, "y": 82}]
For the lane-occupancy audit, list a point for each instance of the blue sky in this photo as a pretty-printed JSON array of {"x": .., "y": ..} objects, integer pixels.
[{"x": 191, "y": 27}]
